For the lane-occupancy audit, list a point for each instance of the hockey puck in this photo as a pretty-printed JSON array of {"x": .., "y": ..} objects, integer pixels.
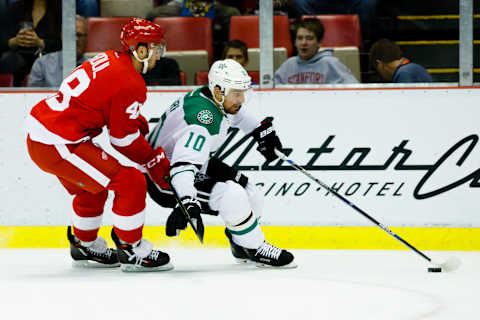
[{"x": 434, "y": 269}]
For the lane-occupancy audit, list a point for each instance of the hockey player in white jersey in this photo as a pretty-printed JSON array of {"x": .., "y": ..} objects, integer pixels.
[{"x": 190, "y": 131}]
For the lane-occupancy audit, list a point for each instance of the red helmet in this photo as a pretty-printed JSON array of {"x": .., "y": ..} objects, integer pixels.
[{"x": 139, "y": 30}]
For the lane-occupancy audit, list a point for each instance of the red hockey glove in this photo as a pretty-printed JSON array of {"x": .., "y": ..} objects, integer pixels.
[
  {"x": 158, "y": 168},
  {"x": 142, "y": 124}
]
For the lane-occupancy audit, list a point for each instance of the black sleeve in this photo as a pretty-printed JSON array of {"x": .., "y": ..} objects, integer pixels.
[
  {"x": 221, "y": 171},
  {"x": 49, "y": 27},
  {"x": 9, "y": 23},
  {"x": 165, "y": 73}
]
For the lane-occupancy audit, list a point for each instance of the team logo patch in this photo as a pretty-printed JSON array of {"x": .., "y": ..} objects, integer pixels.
[{"x": 205, "y": 117}]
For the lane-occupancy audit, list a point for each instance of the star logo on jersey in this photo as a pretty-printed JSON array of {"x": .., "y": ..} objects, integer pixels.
[{"x": 205, "y": 117}]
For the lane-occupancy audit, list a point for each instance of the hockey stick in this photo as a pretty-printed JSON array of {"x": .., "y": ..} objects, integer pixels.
[
  {"x": 449, "y": 265},
  {"x": 199, "y": 229}
]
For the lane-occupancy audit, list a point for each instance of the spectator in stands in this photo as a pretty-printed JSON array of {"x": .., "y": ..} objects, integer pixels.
[
  {"x": 27, "y": 32},
  {"x": 312, "y": 66},
  {"x": 192, "y": 8},
  {"x": 236, "y": 50},
  {"x": 88, "y": 8},
  {"x": 219, "y": 12},
  {"x": 365, "y": 9},
  {"x": 165, "y": 73},
  {"x": 280, "y": 7},
  {"x": 47, "y": 70},
  {"x": 387, "y": 59}
]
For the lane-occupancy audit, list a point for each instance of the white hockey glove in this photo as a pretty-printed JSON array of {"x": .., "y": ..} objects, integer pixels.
[{"x": 177, "y": 221}]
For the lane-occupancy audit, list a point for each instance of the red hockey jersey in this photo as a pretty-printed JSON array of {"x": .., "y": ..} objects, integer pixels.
[{"x": 104, "y": 91}]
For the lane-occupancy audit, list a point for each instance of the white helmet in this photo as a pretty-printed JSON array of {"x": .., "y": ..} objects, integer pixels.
[{"x": 227, "y": 74}]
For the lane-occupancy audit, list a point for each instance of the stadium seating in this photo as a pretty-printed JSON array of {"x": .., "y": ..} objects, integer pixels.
[
  {"x": 104, "y": 34},
  {"x": 341, "y": 30},
  {"x": 6, "y": 80},
  {"x": 187, "y": 33},
  {"x": 190, "y": 62},
  {"x": 249, "y": 6},
  {"x": 246, "y": 28},
  {"x": 189, "y": 42},
  {"x": 201, "y": 78},
  {"x": 183, "y": 78},
  {"x": 349, "y": 56},
  {"x": 124, "y": 8},
  {"x": 255, "y": 76},
  {"x": 279, "y": 57},
  {"x": 428, "y": 34}
]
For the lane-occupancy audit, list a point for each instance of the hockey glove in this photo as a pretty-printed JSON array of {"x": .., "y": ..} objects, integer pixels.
[
  {"x": 267, "y": 140},
  {"x": 158, "y": 168},
  {"x": 177, "y": 221},
  {"x": 222, "y": 172}
]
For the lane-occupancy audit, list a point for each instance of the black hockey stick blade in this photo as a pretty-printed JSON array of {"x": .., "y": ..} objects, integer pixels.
[{"x": 197, "y": 226}]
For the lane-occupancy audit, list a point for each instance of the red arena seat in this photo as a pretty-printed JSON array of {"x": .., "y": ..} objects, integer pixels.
[
  {"x": 201, "y": 78},
  {"x": 189, "y": 42},
  {"x": 246, "y": 28},
  {"x": 6, "y": 80},
  {"x": 183, "y": 78},
  {"x": 104, "y": 33},
  {"x": 255, "y": 76},
  {"x": 341, "y": 30},
  {"x": 187, "y": 33}
]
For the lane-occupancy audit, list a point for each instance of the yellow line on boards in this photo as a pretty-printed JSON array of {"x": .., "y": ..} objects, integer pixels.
[
  {"x": 430, "y": 42},
  {"x": 293, "y": 237},
  {"x": 450, "y": 70},
  {"x": 434, "y": 17}
]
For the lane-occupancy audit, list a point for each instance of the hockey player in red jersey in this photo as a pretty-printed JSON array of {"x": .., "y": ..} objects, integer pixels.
[{"x": 106, "y": 90}]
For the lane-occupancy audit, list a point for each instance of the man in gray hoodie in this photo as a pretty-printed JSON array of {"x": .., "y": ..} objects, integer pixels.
[{"x": 311, "y": 66}]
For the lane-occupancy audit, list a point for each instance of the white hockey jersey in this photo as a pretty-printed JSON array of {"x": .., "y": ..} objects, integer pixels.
[{"x": 190, "y": 131}]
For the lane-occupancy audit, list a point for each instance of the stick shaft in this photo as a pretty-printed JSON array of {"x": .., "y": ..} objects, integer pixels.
[{"x": 381, "y": 226}]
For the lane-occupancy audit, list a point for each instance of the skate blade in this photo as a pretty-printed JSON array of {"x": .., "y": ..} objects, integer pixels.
[
  {"x": 93, "y": 264},
  {"x": 291, "y": 265},
  {"x": 243, "y": 261},
  {"x": 134, "y": 268}
]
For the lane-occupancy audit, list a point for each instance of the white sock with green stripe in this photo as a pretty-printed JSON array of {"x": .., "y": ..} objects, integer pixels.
[
  {"x": 247, "y": 233},
  {"x": 231, "y": 201}
]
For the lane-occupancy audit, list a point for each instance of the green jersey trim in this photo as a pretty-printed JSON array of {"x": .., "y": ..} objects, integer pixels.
[
  {"x": 199, "y": 110},
  {"x": 181, "y": 172}
]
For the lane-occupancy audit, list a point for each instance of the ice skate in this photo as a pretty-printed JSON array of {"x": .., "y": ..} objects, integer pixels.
[
  {"x": 270, "y": 256},
  {"x": 141, "y": 257},
  {"x": 238, "y": 252},
  {"x": 97, "y": 255}
]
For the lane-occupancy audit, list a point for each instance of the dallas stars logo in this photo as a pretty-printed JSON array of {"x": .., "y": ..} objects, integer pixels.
[{"x": 205, "y": 117}]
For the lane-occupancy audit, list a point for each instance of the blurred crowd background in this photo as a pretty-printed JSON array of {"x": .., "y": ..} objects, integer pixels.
[{"x": 315, "y": 41}]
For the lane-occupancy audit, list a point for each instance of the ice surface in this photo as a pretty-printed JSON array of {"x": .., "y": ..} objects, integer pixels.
[{"x": 207, "y": 284}]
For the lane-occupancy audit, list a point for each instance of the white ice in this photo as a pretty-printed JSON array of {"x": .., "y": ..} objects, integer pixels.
[{"x": 207, "y": 284}]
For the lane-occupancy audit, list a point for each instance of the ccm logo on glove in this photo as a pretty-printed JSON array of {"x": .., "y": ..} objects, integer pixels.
[{"x": 156, "y": 160}]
